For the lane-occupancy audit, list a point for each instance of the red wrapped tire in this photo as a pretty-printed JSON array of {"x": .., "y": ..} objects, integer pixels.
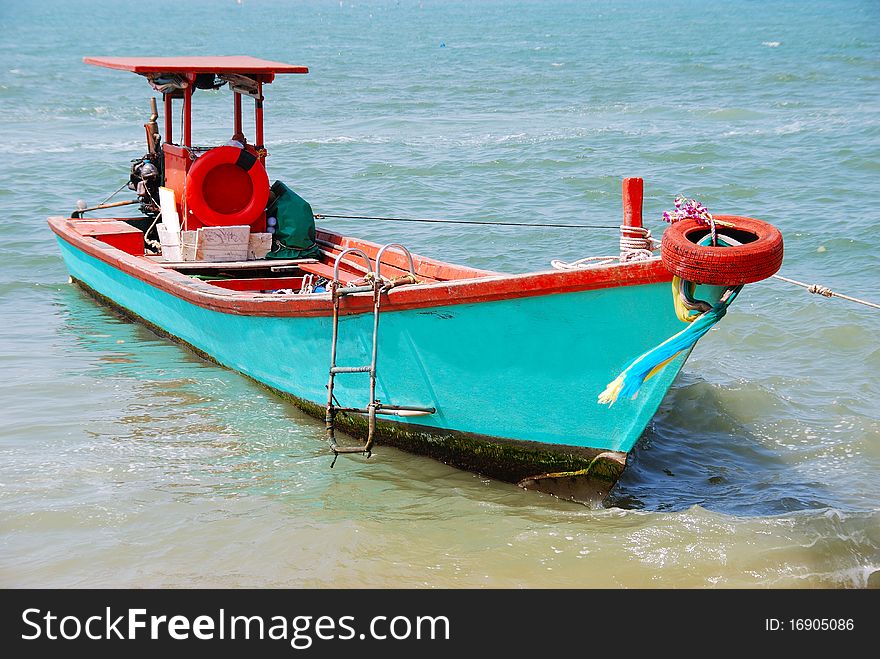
[{"x": 758, "y": 257}]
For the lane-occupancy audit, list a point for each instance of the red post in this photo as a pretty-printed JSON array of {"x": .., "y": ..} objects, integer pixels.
[
  {"x": 168, "y": 122},
  {"x": 633, "y": 190}
]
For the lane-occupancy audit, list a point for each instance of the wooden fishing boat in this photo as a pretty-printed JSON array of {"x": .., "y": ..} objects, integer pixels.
[{"x": 495, "y": 373}]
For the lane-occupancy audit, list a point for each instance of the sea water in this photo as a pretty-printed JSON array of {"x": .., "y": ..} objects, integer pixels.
[{"x": 125, "y": 460}]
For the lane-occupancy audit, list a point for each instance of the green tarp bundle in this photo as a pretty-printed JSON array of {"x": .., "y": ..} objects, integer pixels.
[{"x": 295, "y": 232}]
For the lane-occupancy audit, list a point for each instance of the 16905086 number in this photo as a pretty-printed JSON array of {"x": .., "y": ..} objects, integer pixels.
[{"x": 821, "y": 624}]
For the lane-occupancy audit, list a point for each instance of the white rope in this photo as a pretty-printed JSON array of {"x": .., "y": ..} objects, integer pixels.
[
  {"x": 308, "y": 285},
  {"x": 636, "y": 244},
  {"x": 586, "y": 262},
  {"x": 825, "y": 291}
]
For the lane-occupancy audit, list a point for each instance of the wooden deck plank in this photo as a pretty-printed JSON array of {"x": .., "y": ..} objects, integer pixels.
[{"x": 227, "y": 265}]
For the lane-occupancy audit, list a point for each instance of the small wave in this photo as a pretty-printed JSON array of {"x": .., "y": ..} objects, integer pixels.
[
  {"x": 97, "y": 110},
  {"x": 734, "y": 114},
  {"x": 112, "y": 147},
  {"x": 738, "y": 133},
  {"x": 345, "y": 139},
  {"x": 771, "y": 44},
  {"x": 336, "y": 139},
  {"x": 463, "y": 140},
  {"x": 788, "y": 129}
]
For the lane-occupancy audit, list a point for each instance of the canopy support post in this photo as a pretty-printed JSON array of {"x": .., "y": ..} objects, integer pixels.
[
  {"x": 258, "y": 115},
  {"x": 236, "y": 114},
  {"x": 168, "y": 122},
  {"x": 187, "y": 115}
]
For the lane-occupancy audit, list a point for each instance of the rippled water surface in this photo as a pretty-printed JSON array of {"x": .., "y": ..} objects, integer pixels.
[{"x": 125, "y": 460}]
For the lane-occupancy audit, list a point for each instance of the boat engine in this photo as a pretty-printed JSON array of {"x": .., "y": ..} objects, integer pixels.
[
  {"x": 144, "y": 180},
  {"x": 147, "y": 172}
]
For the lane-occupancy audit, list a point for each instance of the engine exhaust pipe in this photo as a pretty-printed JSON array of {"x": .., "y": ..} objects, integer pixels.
[{"x": 152, "y": 128}]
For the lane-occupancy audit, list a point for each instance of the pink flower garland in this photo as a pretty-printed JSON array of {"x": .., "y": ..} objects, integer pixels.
[{"x": 692, "y": 209}]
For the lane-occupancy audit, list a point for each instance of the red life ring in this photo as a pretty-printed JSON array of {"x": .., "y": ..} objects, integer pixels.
[
  {"x": 226, "y": 186},
  {"x": 757, "y": 257}
]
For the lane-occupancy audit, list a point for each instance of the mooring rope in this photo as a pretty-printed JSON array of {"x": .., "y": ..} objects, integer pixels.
[
  {"x": 321, "y": 216},
  {"x": 635, "y": 243},
  {"x": 826, "y": 292}
]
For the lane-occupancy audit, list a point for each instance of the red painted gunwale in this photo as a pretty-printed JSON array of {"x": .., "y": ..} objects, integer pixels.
[{"x": 464, "y": 286}]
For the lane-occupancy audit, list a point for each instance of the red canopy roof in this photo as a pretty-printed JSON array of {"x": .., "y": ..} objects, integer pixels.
[{"x": 220, "y": 64}]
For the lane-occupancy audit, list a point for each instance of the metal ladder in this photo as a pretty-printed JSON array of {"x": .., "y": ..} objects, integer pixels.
[{"x": 377, "y": 285}]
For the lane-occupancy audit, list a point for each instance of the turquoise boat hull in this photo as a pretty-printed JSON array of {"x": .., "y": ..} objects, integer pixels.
[{"x": 514, "y": 381}]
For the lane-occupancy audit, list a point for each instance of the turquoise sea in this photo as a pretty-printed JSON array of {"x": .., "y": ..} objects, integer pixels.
[{"x": 125, "y": 460}]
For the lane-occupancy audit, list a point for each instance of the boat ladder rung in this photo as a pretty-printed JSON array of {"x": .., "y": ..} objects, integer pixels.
[
  {"x": 391, "y": 410},
  {"x": 407, "y": 408},
  {"x": 349, "y": 290},
  {"x": 348, "y": 449}
]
